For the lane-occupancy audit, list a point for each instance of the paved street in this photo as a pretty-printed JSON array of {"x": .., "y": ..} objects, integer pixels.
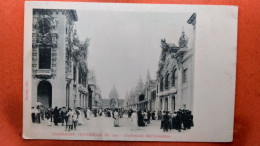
[{"x": 106, "y": 125}]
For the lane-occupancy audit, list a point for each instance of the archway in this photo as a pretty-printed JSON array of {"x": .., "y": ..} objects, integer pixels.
[
  {"x": 113, "y": 103},
  {"x": 173, "y": 103},
  {"x": 44, "y": 93}
]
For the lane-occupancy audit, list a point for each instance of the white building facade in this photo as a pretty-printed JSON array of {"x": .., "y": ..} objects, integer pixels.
[
  {"x": 59, "y": 60},
  {"x": 176, "y": 73}
]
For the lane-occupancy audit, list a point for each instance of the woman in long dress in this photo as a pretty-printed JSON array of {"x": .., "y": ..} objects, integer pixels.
[
  {"x": 70, "y": 120},
  {"x": 134, "y": 118},
  {"x": 116, "y": 119}
]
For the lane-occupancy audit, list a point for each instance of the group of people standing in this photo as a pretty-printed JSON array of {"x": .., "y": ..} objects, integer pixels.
[
  {"x": 178, "y": 120},
  {"x": 66, "y": 116},
  {"x": 114, "y": 113},
  {"x": 139, "y": 118}
]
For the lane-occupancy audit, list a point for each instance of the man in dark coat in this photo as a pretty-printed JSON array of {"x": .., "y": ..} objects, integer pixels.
[
  {"x": 56, "y": 115},
  {"x": 178, "y": 121},
  {"x": 153, "y": 115},
  {"x": 166, "y": 122},
  {"x": 140, "y": 120},
  {"x": 63, "y": 115}
]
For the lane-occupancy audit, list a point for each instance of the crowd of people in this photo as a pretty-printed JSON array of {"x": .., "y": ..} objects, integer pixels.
[
  {"x": 178, "y": 120},
  {"x": 70, "y": 118},
  {"x": 114, "y": 113},
  {"x": 66, "y": 116}
]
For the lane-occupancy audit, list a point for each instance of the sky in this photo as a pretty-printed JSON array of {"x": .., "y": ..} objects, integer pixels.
[{"x": 125, "y": 45}]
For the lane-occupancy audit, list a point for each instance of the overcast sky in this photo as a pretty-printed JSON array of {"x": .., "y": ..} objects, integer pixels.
[{"x": 124, "y": 45}]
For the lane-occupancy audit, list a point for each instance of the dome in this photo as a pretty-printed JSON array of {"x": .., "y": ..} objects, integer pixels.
[
  {"x": 183, "y": 41},
  {"x": 113, "y": 93}
]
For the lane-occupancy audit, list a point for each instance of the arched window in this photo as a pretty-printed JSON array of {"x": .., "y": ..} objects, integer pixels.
[
  {"x": 174, "y": 76},
  {"x": 184, "y": 76},
  {"x": 167, "y": 81},
  {"x": 161, "y": 84}
]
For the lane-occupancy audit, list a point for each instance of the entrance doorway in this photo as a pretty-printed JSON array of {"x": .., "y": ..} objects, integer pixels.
[
  {"x": 166, "y": 104},
  {"x": 173, "y": 103},
  {"x": 44, "y": 93},
  {"x": 67, "y": 95}
]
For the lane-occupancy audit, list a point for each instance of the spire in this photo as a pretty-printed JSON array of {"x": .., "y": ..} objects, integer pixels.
[
  {"x": 148, "y": 77},
  {"x": 140, "y": 83}
]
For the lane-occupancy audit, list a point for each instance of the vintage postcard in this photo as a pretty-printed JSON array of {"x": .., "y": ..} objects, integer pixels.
[{"x": 129, "y": 72}]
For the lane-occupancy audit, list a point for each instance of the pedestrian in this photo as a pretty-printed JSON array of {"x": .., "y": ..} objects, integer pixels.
[
  {"x": 108, "y": 113},
  {"x": 140, "y": 118},
  {"x": 178, "y": 121},
  {"x": 162, "y": 119},
  {"x": 70, "y": 120},
  {"x": 159, "y": 115},
  {"x": 88, "y": 114},
  {"x": 166, "y": 122},
  {"x": 38, "y": 116},
  {"x": 153, "y": 115},
  {"x": 116, "y": 119},
  {"x": 75, "y": 117},
  {"x": 60, "y": 116},
  {"x": 51, "y": 114},
  {"x": 129, "y": 113},
  {"x": 174, "y": 121},
  {"x": 33, "y": 115},
  {"x": 66, "y": 120},
  {"x": 63, "y": 115},
  {"x": 85, "y": 113},
  {"x": 170, "y": 120},
  {"x": 95, "y": 112},
  {"x": 48, "y": 116},
  {"x": 41, "y": 108},
  {"x": 56, "y": 116},
  {"x": 134, "y": 119},
  {"x": 149, "y": 117},
  {"x": 145, "y": 115}
]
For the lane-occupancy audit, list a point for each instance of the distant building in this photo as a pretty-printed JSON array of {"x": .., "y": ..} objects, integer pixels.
[
  {"x": 144, "y": 95},
  {"x": 113, "y": 101},
  {"x": 150, "y": 93},
  {"x": 95, "y": 98},
  {"x": 59, "y": 60}
]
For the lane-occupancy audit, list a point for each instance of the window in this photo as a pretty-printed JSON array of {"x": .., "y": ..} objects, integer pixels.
[
  {"x": 184, "y": 77},
  {"x": 161, "y": 84},
  {"x": 44, "y": 58},
  {"x": 80, "y": 77},
  {"x": 74, "y": 73},
  {"x": 174, "y": 75},
  {"x": 167, "y": 81}
]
